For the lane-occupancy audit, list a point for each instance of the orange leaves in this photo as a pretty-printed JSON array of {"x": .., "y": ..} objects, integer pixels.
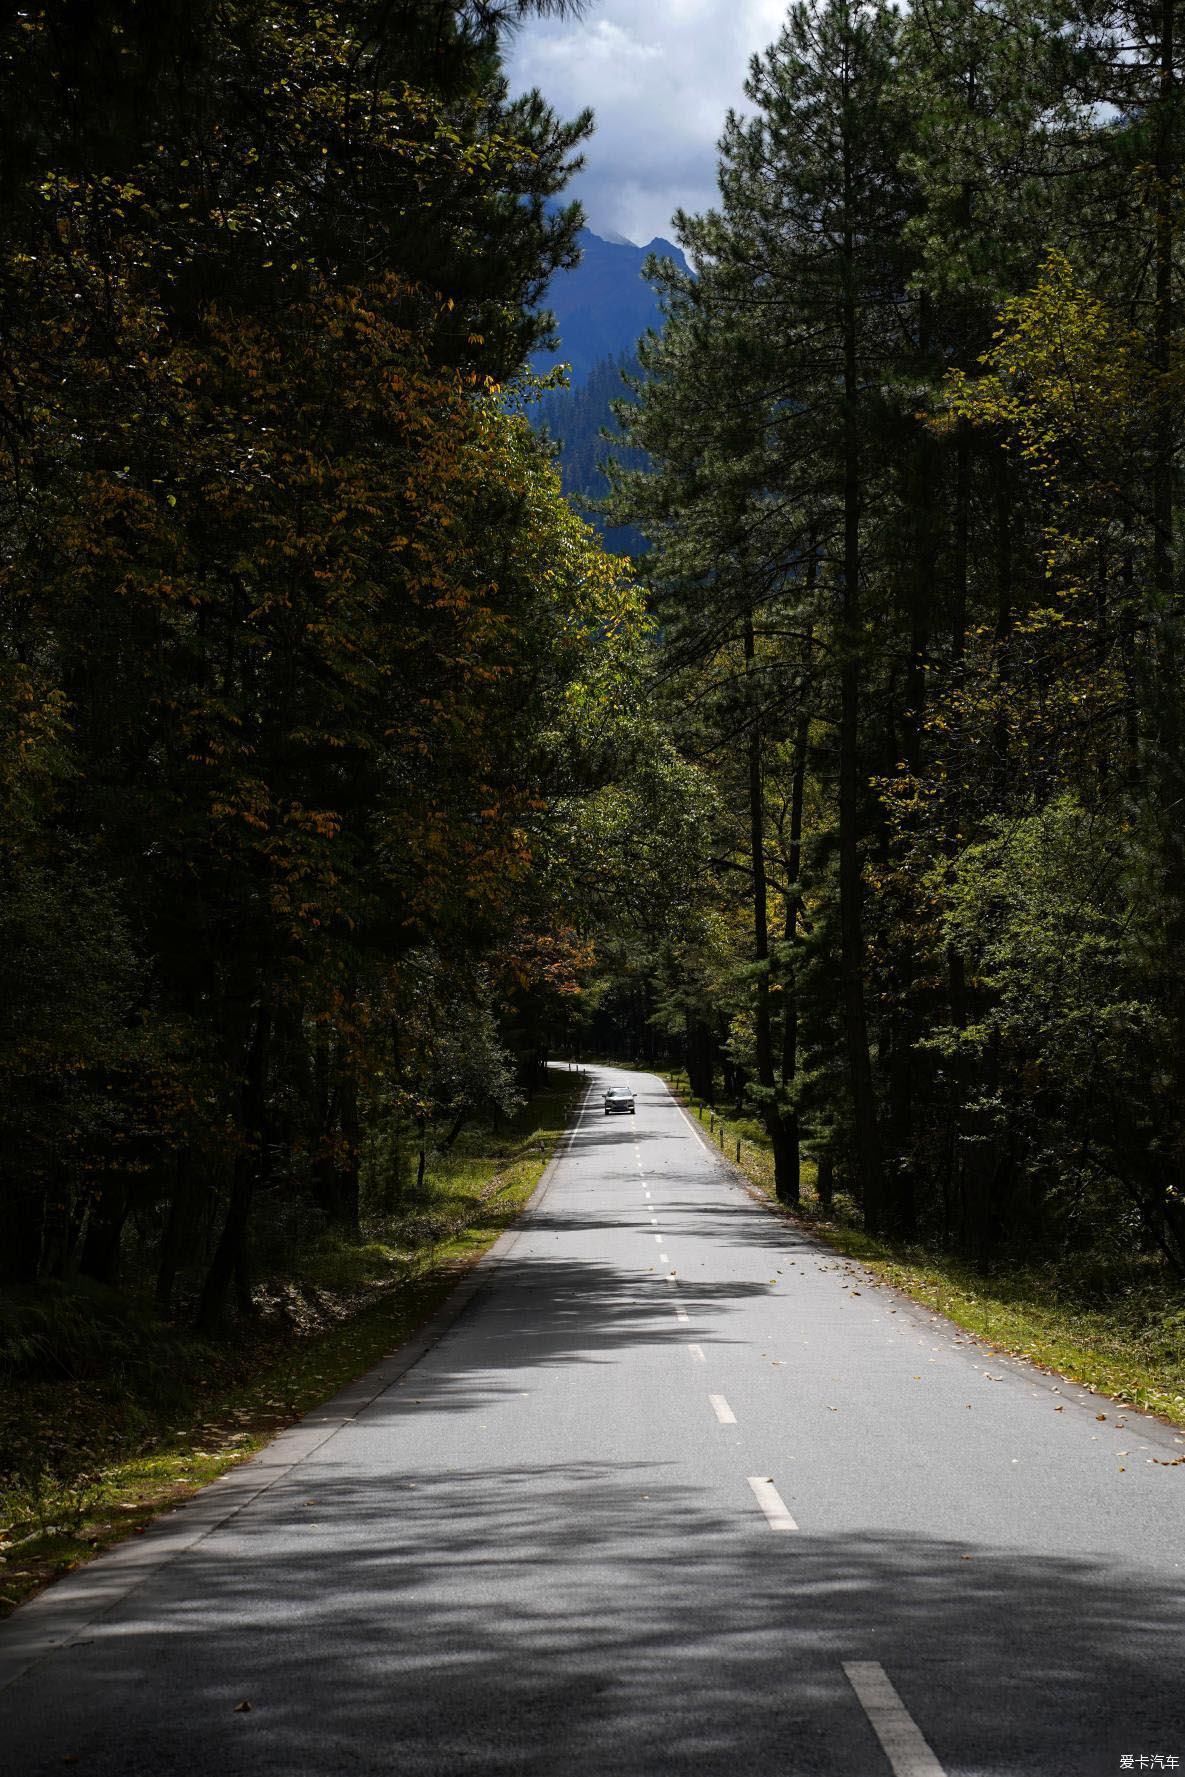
[
  {"x": 552, "y": 962},
  {"x": 251, "y": 805}
]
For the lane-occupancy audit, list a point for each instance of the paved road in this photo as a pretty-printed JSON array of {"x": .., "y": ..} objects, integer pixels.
[{"x": 678, "y": 1492}]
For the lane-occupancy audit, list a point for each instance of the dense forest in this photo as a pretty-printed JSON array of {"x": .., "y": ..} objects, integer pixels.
[
  {"x": 342, "y": 768},
  {"x": 324, "y": 742},
  {"x": 914, "y": 428},
  {"x": 579, "y": 421}
]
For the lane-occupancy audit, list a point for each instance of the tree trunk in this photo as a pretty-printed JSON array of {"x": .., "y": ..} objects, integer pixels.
[
  {"x": 1170, "y": 751},
  {"x": 825, "y": 1180},
  {"x": 1003, "y": 504},
  {"x": 700, "y": 1057},
  {"x": 175, "y": 1233},
  {"x": 104, "y": 1231},
  {"x": 230, "y": 1254},
  {"x": 958, "y": 616},
  {"x": 852, "y": 955},
  {"x": 351, "y": 1153},
  {"x": 955, "y": 964},
  {"x": 1164, "y": 446},
  {"x": 23, "y": 1219},
  {"x": 783, "y": 1142},
  {"x": 791, "y": 1125}
]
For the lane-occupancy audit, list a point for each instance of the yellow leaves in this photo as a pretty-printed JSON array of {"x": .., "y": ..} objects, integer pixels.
[
  {"x": 1062, "y": 370},
  {"x": 325, "y": 823}
]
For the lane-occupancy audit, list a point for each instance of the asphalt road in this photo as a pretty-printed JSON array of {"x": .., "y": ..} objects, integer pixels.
[{"x": 677, "y": 1492}]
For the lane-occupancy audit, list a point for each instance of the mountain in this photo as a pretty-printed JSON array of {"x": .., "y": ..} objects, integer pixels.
[
  {"x": 602, "y": 308},
  {"x": 576, "y": 419}
]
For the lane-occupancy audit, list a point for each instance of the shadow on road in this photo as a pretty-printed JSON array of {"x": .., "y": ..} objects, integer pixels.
[
  {"x": 593, "y": 1619},
  {"x": 576, "y": 1619}
]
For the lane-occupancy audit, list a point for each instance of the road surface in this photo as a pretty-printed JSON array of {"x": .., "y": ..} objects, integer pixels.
[{"x": 677, "y": 1492}]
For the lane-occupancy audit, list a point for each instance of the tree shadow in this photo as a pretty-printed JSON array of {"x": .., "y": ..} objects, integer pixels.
[
  {"x": 594, "y": 1618},
  {"x": 612, "y": 1134},
  {"x": 386, "y": 1609}
]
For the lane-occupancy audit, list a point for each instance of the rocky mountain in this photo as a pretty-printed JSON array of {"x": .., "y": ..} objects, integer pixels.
[
  {"x": 602, "y": 308},
  {"x": 604, "y": 305}
]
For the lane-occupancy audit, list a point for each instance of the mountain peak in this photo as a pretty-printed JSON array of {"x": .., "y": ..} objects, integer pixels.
[{"x": 605, "y": 304}]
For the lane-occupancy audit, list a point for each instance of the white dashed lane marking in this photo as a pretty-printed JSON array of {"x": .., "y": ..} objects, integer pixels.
[
  {"x": 899, "y": 1735},
  {"x": 697, "y": 1351},
  {"x": 722, "y": 1410},
  {"x": 771, "y": 1503}
]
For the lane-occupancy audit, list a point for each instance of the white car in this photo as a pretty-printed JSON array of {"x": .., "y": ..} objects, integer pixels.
[{"x": 619, "y": 1098}]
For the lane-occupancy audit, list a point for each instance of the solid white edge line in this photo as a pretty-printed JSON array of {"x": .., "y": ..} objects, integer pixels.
[
  {"x": 722, "y": 1410},
  {"x": 901, "y": 1738},
  {"x": 771, "y": 1503}
]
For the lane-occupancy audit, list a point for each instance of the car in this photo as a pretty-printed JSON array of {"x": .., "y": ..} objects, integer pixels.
[{"x": 619, "y": 1098}]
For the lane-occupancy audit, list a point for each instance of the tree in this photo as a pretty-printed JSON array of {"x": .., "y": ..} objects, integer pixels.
[
  {"x": 302, "y": 603},
  {"x": 763, "y": 414}
]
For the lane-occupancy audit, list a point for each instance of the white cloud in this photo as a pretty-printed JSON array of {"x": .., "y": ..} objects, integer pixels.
[{"x": 660, "y": 75}]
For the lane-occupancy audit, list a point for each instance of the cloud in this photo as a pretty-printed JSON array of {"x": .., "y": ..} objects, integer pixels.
[{"x": 660, "y": 76}]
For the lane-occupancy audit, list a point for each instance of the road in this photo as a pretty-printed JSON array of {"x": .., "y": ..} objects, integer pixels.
[{"x": 677, "y": 1492}]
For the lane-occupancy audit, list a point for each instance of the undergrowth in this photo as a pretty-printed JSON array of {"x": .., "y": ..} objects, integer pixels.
[{"x": 109, "y": 1415}]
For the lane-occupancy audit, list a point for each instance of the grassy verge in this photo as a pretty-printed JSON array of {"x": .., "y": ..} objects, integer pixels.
[
  {"x": 92, "y": 1459},
  {"x": 1117, "y": 1327}
]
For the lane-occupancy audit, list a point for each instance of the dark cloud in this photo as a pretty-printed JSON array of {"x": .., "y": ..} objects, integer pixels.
[{"x": 660, "y": 75}]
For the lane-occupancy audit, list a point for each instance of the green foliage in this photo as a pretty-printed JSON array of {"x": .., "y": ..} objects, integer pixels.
[
  {"x": 914, "y": 444},
  {"x": 304, "y": 651}
]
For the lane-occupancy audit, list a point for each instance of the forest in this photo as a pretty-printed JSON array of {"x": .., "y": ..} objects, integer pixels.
[
  {"x": 314, "y": 687},
  {"x": 346, "y": 774},
  {"x": 912, "y": 436}
]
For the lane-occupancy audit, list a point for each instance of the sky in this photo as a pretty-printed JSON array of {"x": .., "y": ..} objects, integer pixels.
[{"x": 660, "y": 76}]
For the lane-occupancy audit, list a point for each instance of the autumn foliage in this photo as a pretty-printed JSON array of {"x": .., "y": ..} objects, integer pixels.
[{"x": 295, "y": 619}]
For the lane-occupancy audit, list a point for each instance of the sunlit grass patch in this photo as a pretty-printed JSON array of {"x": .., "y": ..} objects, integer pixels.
[{"x": 1116, "y": 1326}]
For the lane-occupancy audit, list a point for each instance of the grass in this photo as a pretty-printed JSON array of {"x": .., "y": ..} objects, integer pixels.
[
  {"x": 152, "y": 1415},
  {"x": 1115, "y": 1326}
]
